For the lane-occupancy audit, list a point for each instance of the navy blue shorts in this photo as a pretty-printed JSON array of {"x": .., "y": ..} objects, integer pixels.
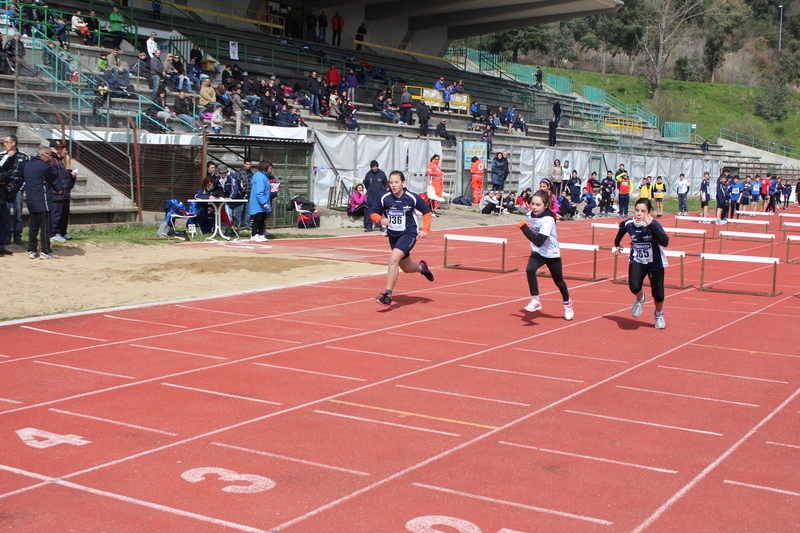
[
  {"x": 756, "y": 197},
  {"x": 404, "y": 242},
  {"x": 744, "y": 200}
]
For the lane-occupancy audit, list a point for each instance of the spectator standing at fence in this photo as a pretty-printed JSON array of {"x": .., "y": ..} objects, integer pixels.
[
  {"x": 557, "y": 112},
  {"x": 156, "y": 5},
  {"x": 12, "y": 177},
  {"x": 116, "y": 19},
  {"x": 423, "y": 114},
  {"x": 375, "y": 183},
  {"x": 539, "y": 75},
  {"x": 311, "y": 27},
  {"x": 313, "y": 89},
  {"x": 406, "y": 103},
  {"x": 337, "y": 25},
  {"x": 332, "y": 76},
  {"x": 552, "y": 127},
  {"x": 682, "y": 190},
  {"x": 158, "y": 72},
  {"x": 478, "y": 171},
  {"x": 40, "y": 175},
  {"x": 62, "y": 187},
  {"x": 322, "y": 22},
  {"x": 352, "y": 84},
  {"x": 361, "y": 33},
  {"x": 238, "y": 108},
  {"x": 441, "y": 131}
]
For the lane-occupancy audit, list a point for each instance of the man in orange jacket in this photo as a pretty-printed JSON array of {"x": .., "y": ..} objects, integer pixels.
[
  {"x": 337, "y": 25},
  {"x": 477, "y": 170}
]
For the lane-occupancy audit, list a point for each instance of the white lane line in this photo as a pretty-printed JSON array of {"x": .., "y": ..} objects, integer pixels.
[
  {"x": 7, "y": 356},
  {"x": 144, "y": 321},
  {"x": 782, "y": 444},
  {"x": 570, "y": 355},
  {"x": 372, "y": 421},
  {"x": 114, "y": 422},
  {"x": 84, "y": 370},
  {"x": 63, "y": 334},
  {"x": 688, "y": 396},
  {"x": 644, "y": 423},
  {"x": 761, "y": 487},
  {"x": 221, "y": 394},
  {"x": 462, "y": 395},
  {"x": 317, "y": 324},
  {"x": 293, "y": 459},
  {"x": 135, "y": 501},
  {"x": 514, "y": 504},
  {"x": 310, "y": 372},
  {"x": 170, "y": 350},
  {"x": 378, "y": 353},
  {"x": 215, "y": 311},
  {"x": 522, "y": 373},
  {"x": 723, "y": 375},
  {"x": 645, "y": 467},
  {"x": 9, "y": 401},
  {"x": 435, "y": 339},
  {"x": 255, "y": 337}
]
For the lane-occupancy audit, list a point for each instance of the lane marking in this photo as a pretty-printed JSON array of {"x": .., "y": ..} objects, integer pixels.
[
  {"x": 761, "y": 487},
  {"x": 215, "y": 311},
  {"x": 743, "y": 350},
  {"x": 688, "y": 396},
  {"x": 438, "y": 339},
  {"x": 514, "y": 504},
  {"x": 84, "y": 370},
  {"x": 170, "y": 350},
  {"x": 378, "y": 353},
  {"x": 570, "y": 355},
  {"x": 293, "y": 459},
  {"x": 723, "y": 375},
  {"x": 462, "y": 395},
  {"x": 9, "y": 401},
  {"x": 416, "y": 415},
  {"x": 388, "y": 423},
  {"x": 310, "y": 372},
  {"x": 114, "y": 422},
  {"x": 63, "y": 334},
  {"x": 782, "y": 444},
  {"x": 644, "y": 423},
  {"x": 135, "y": 501},
  {"x": 144, "y": 321},
  {"x": 221, "y": 394},
  {"x": 7, "y": 356},
  {"x": 522, "y": 373},
  {"x": 256, "y": 337},
  {"x": 701, "y": 299},
  {"x": 319, "y": 324},
  {"x": 602, "y": 460},
  {"x": 699, "y": 477}
]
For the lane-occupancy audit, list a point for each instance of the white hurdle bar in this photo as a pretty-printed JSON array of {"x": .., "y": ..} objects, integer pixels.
[
  {"x": 700, "y": 233},
  {"x": 789, "y": 240},
  {"x": 787, "y": 215},
  {"x": 668, "y": 253},
  {"x": 603, "y": 226},
  {"x": 790, "y": 226},
  {"x": 739, "y": 236},
  {"x": 585, "y": 247},
  {"x": 763, "y": 223},
  {"x": 756, "y": 213},
  {"x": 741, "y": 259},
  {"x": 473, "y": 238},
  {"x": 710, "y": 220}
]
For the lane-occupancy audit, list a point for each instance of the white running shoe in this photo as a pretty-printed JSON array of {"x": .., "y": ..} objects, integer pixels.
[
  {"x": 58, "y": 238},
  {"x": 534, "y": 306},
  {"x": 569, "y": 313},
  {"x": 660, "y": 322},
  {"x": 638, "y": 305}
]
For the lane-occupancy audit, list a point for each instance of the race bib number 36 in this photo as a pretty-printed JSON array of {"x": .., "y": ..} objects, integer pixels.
[{"x": 397, "y": 219}]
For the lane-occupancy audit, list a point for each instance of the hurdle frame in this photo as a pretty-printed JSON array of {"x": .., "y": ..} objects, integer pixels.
[
  {"x": 698, "y": 219},
  {"x": 474, "y": 238},
  {"x": 585, "y": 247},
  {"x": 758, "y": 223},
  {"x": 742, "y": 259},
  {"x": 785, "y": 227},
  {"x": 602, "y": 226},
  {"x": 668, "y": 253},
  {"x": 789, "y": 239},
  {"x": 748, "y": 237}
]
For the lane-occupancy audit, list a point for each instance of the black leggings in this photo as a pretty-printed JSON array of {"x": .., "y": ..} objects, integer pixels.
[
  {"x": 259, "y": 223},
  {"x": 554, "y": 266},
  {"x": 636, "y": 274}
]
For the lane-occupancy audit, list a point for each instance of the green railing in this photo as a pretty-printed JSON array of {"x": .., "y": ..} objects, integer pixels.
[
  {"x": 603, "y": 138},
  {"x": 634, "y": 110},
  {"x": 594, "y": 94},
  {"x": 677, "y": 131},
  {"x": 560, "y": 84},
  {"x": 761, "y": 144}
]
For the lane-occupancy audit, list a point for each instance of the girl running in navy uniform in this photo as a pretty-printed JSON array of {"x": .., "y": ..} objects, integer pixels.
[
  {"x": 647, "y": 258},
  {"x": 540, "y": 229},
  {"x": 395, "y": 212}
]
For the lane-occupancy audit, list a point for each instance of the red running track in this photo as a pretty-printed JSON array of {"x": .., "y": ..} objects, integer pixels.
[{"x": 312, "y": 409}]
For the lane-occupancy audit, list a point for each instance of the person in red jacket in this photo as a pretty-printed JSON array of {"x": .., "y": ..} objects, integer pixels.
[
  {"x": 477, "y": 170},
  {"x": 333, "y": 76},
  {"x": 435, "y": 172},
  {"x": 337, "y": 25}
]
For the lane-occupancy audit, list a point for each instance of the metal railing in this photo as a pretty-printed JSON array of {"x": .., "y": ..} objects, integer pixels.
[
  {"x": 634, "y": 110},
  {"x": 761, "y": 144},
  {"x": 390, "y": 48},
  {"x": 677, "y": 131}
]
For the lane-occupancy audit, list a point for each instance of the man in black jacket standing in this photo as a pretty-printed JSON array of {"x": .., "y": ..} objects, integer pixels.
[
  {"x": 59, "y": 207},
  {"x": 12, "y": 176},
  {"x": 313, "y": 88},
  {"x": 423, "y": 114},
  {"x": 39, "y": 177},
  {"x": 375, "y": 183},
  {"x": 557, "y": 113}
]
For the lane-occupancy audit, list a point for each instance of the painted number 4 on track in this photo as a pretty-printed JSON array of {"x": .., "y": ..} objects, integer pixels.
[
  {"x": 424, "y": 524},
  {"x": 39, "y": 438}
]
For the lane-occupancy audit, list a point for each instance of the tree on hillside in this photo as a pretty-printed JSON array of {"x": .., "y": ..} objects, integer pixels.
[
  {"x": 613, "y": 33},
  {"x": 774, "y": 103},
  {"x": 667, "y": 25},
  {"x": 521, "y": 40}
]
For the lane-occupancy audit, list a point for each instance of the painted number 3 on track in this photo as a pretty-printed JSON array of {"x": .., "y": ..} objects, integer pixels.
[
  {"x": 424, "y": 524},
  {"x": 255, "y": 483}
]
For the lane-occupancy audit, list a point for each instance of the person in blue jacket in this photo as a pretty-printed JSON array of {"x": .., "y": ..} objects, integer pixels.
[
  {"x": 590, "y": 203},
  {"x": 40, "y": 174},
  {"x": 260, "y": 204},
  {"x": 736, "y": 195},
  {"x": 574, "y": 187}
]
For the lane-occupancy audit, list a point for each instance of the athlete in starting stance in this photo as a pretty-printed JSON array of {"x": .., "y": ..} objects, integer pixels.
[
  {"x": 647, "y": 258},
  {"x": 395, "y": 212},
  {"x": 540, "y": 229}
]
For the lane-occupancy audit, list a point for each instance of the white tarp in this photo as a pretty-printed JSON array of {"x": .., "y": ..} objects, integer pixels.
[{"x": 274, "y": 132}]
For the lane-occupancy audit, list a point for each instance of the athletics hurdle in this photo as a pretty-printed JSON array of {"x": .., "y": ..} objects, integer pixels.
[
  {"x": 741, "y": 259},
  {"x": 702, "y": 220},
  {"x": 789, "y": 240},
  {"x": 603, "y": 226},
  {"x": 738, "y": 236},
  {"x": 668, "y": 253},
  {"x": 586, "y": 247},
  {"x": 762, "y": 223},
  {"x": 788, "y": 225},
  {"x": 676, "y": 231},
  {"x": 471, "y": 238}
]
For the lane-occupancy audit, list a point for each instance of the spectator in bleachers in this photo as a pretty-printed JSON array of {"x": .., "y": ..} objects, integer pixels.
[
  {"x": 348, "y": 115},
  {"x": 498, "y": 169},
  {"x": 152, "y": 44},
  {"x": 520, "y": 125},
  {"x": 188, "y": 83},
  {"x": 196, "y": 56},
  {"x": 423, "y": 114},
  {"x": 406, "y": 103},
  {"x": 379, "y": 106},
  {"x": 93, "y": 23},
  {"x": 439, "y": 85},
  {"x": 249, "y": 91},
  {"x": 157, "y": 71},
  {"x": 156, "y": 5},
  {"x": 217, "y": 120},
  {"x": 311, "y": 27},
  {"x": 237, "y": 76},
  {"x": 539, "y": 75},
  {"x": 361, "y": 33},
  {"x": 337, "y": 25},
  {"x": 49, "y": 59},
  {"x": 116, "y": 19},
  {"x": 333, "y": 76},
  {"x": 313, "y": 89},
  {"x": 446, "y": 96},
  {"x": 284, "y": 117},
  {"x": 16, "y": 53},
  {"x": 80, "y": 27},
  {"x": 475, "y": 111},
  {"x": 102, "y": 65},
  {"x": 183, "y": 110},
  {"x": 322, "y": 22},
  {"x": 237, "y": 108},
  {"x": 557, "y": 112},
  {"x": 143, "y": 68},
  {"x": 117, "y": 67},
  {"x": 441, "y": 131},
  {"x": 704, "y": 147},
  {"x": 194, "y": 72},
  {"x": 352, "y": 84},
  {"x": 552, "y": 127},
  {"x": 60, "y": 28},
  {"x": 334, "y": 105},
  {"x": 459, "y": 86}
]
